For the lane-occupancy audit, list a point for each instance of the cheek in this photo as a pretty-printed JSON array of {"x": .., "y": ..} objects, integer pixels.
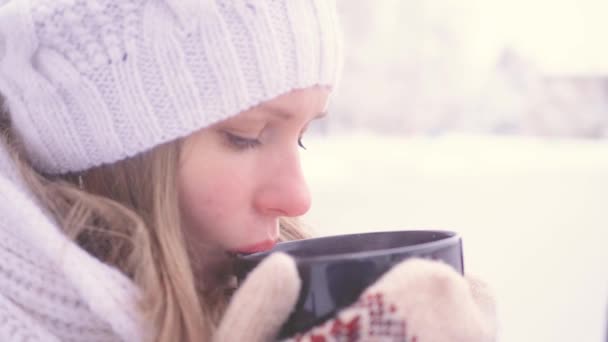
[{"x": 211, "y": 200}]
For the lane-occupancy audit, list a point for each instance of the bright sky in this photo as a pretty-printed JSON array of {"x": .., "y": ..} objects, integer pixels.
[{"x": 561, "y": 36}]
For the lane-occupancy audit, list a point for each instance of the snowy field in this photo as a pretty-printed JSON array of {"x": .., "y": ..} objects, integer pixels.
[{"x": 533, "y": 215}]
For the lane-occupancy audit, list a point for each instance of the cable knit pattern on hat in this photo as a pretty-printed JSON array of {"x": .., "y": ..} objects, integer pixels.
[{"x": 96, "y": 81}]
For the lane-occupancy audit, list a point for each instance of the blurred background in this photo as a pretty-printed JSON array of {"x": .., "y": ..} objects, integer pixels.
[{"x": 489, "y": 118}]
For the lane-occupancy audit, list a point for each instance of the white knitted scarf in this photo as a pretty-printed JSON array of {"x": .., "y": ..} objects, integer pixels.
[{"x": 50, "y": 289}]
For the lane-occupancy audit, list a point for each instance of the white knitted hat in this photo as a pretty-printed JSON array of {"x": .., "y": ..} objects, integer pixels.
[{"x": 90, "y": 82}]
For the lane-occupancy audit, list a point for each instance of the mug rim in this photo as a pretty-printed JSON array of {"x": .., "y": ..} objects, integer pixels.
[{"x": 449, "y": 238}]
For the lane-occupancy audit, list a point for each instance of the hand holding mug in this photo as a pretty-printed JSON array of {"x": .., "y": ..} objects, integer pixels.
[{"x": 416, "y": 300}]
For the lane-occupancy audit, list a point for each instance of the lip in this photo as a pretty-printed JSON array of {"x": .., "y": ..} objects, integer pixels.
[{"x": 257, "y": 247}]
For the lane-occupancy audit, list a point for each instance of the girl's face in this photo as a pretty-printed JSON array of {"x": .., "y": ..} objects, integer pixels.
[{"x": 237, "y": 177}]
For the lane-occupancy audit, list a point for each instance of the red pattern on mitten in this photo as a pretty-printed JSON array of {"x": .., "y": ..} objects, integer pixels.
[{"x": 371, "y": 318}]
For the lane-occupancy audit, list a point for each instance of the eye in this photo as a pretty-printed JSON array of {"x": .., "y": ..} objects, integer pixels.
[
  {"x": 241, "y": 143},
  {"x": 300, "y": 143}
]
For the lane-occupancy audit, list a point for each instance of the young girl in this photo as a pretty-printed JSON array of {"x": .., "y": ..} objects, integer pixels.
[{"x": 143, "y": 142}]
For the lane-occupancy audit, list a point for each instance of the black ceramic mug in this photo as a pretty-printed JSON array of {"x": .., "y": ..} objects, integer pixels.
[{"x": 335, "y": 270}]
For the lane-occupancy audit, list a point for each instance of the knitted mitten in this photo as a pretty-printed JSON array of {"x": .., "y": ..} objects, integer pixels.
[
  {"x": 262, "y": 303},
  {"x": 417, "y": 300}
]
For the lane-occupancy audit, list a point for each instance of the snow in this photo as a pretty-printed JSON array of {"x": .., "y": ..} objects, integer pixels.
[{"x": 532, "y": 214}]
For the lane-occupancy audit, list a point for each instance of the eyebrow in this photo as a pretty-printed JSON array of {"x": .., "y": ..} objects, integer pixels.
[{"x": 286, "y": 115}]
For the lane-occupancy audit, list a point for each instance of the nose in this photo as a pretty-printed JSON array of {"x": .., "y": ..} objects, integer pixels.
[{"x": 284, "y": 191}]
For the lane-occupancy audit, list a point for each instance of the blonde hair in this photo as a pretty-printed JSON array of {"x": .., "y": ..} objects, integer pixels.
[{"x": 127, "y": 215}]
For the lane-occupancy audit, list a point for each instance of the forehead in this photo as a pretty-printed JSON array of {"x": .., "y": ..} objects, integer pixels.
[
  {"x": 309, "y": 103},
  {"x": 301, "y": 102},
  {"x": 313, "y": 98}
]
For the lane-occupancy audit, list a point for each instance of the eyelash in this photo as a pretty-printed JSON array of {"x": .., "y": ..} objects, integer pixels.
[{"x": 241, "y": 143}]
